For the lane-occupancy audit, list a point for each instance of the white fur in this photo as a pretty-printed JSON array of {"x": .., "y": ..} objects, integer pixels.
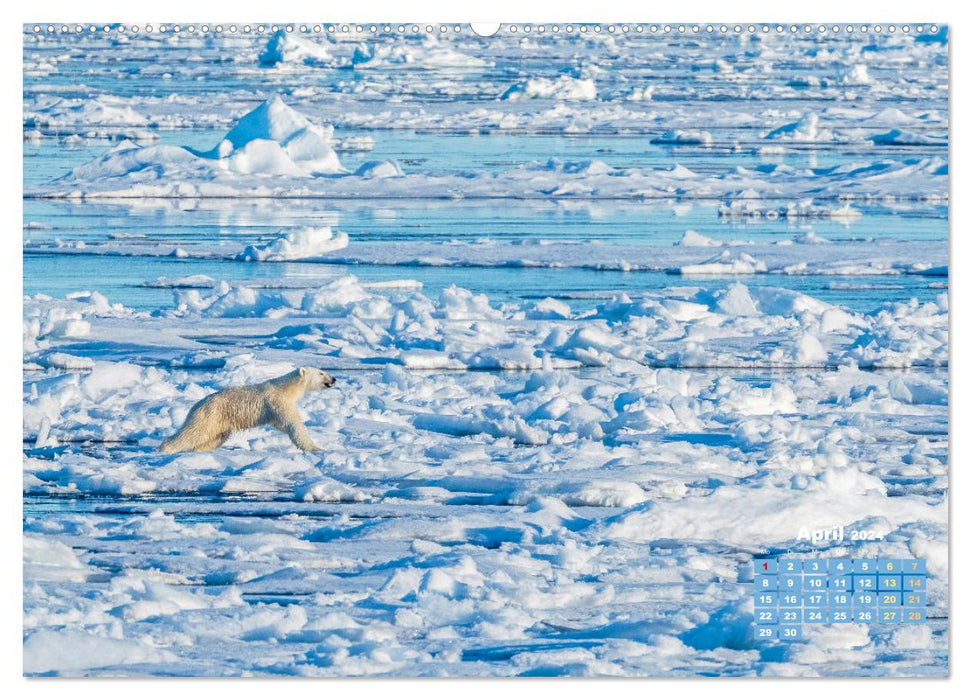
[{"x": 211, "y": 421}]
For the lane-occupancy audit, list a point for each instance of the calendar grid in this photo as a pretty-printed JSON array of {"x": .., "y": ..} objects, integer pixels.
[{"x": 790, "y": 593}]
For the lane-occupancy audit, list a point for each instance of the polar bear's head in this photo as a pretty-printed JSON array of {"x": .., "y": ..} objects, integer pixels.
[{"x": 313, "y": 378}]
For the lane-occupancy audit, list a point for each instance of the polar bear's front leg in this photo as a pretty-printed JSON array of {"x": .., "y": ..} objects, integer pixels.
[
  {"x": 301, "y": 437},
  {"x": 288, "y": 420},
  {"x": 291, "y": 423}
]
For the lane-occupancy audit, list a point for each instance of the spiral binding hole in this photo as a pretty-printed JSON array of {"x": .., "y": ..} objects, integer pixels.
[{"x": 509, "y": 29}]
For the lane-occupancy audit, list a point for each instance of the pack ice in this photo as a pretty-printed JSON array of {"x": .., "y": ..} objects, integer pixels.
[{"x": 455, "y": 518}]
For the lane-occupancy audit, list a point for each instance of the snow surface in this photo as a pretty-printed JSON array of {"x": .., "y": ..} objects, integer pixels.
[{"x": 456, "y": 519}]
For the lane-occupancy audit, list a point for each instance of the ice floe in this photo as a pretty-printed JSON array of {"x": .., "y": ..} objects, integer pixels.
[
  {"x": 563, "y": 88},
  {"x": 296, "y": 245}
]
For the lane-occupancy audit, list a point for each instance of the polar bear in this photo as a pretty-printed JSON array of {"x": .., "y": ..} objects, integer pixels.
[{"x": 274, "y": 402}]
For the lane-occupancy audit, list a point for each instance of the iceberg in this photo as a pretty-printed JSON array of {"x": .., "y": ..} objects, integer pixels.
[
  {"x": 287, "y": 48},
  {"x": 273, "y": 137},
  {"x": 271, "y": 140}
]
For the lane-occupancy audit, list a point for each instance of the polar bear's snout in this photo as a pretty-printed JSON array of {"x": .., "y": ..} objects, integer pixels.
[{"x": 314, "y": 378}]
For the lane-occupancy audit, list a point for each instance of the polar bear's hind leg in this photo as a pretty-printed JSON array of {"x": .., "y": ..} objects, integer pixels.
[{"x": 195, "y": 434}]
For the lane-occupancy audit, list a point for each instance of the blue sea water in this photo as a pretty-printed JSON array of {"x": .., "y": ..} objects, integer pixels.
[{"x": 210, "y": 69}]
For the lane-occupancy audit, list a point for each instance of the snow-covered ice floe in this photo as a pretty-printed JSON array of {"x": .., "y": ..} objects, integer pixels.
[
  {"x": 296, "y": 245},
  {"x": 276, "y": 151},
  {"x": 695, "y": 327}
]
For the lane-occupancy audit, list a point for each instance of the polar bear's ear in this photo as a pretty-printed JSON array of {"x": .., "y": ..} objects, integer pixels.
[{"x": 303, "y": 372}]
